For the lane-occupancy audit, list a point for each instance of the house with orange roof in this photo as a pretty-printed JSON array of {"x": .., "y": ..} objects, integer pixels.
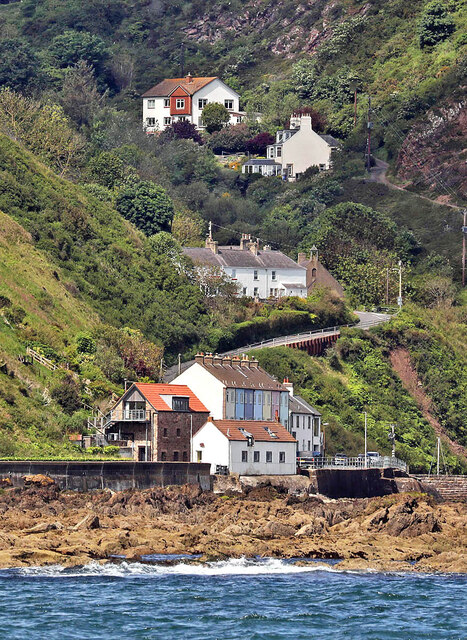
[
  {"x": 155, "y": 422},
  {"x": 248, "y": 447},
  {"x": 176, "y": 99}
]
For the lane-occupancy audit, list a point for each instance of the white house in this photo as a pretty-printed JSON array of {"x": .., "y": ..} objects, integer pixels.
[
  {"x": 247, "y": 448},
  {"x": 234, "y": 388},
  {"x": 304, "y": 424},
  {"x": 260, "y": 273},
  {"x": 176, "y": 99},
  {"x": 295, "y": 150}
]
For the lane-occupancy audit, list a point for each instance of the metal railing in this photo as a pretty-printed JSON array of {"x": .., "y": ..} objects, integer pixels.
[
  {"x": 383, "y": 462},
  {"x": 132, "y": 415}
]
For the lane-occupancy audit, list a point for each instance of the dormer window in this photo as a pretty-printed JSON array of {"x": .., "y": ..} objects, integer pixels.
[{"x": 180, "y": 404}]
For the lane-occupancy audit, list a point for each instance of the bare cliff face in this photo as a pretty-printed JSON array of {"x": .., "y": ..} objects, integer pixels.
[{"x": 41, "y": 525}]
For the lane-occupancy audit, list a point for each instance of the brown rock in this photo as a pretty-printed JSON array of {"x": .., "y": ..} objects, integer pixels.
[
  {"x": 37, "y": 480},
  {"x": 43, "y": 527},
  {"x": 91, "y": 521},
  {"x": 5, "y": 483}
]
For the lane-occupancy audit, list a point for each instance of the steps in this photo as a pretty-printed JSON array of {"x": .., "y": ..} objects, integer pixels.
[{"x": 450, "y": 488}]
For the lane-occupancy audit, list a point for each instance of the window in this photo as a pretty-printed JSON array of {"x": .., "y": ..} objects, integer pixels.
[
  {"x": 244, "y": 456},
  {"x": 182, "y": 119},
  {"x": 322, "y": 167},
  {"x": 234, "y": 273},
  {"x": 278, "y": 152},
  {"x": 244, "y": 291},
  {"x": 150, "y": 122},
  {"x": 166, "y": 102},
  {"x": 309, "y": 445},
  {"x": 199, "y": 456},
  {"x": 271, "y": 152},
  {"x": 180, "y": 103},
  {"x": 202, "y": 102},
  {"x": 163, "y": 456},
  {"x": 178, "y": 433},
  {"x": 185, "y": 456},
  {"x": 294, "y": 434},
  {"x": 255, "y": 292},
  {"x": 271, "y": 293},
  {"x": 279, "y": 137},
  {"x": 268, "y": 456},
  {"x": 273, "y": 275},
  {"x": 255, "y": 275},
  {"x": 297, "y": 422},
  {"x": 281, "y": 456},
  {"x": 167, "y": 121},
  {"x": 175, "y": 456},
  {"x": 180, "y": 404},
  {"x": 165, "y": 432},
  {"x": 228, "y": 104},
  {"x": 309, "y": 422},
  {"x": 290, "y": 170},
  {"x": 151, "y": 104},
  {"x": 255, "y": 456}
]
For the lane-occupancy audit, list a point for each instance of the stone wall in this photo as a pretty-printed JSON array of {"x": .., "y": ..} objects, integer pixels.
[
  {"x": 452, "y": 488},
  {"x": 118, "y": 476},
  {"x": 354, "y": 483}
]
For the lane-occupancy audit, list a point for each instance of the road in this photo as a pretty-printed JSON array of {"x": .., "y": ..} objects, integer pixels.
[{"x": 367, "y": 319}]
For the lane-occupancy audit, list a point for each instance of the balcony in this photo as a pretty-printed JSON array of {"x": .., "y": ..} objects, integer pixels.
[{"x": 134, "y": 415}]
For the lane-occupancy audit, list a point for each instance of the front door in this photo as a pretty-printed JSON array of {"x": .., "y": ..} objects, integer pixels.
[{"x": 142, "y": 454}]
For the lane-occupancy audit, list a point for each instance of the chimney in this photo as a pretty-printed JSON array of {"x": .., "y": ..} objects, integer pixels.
[
  {"x": 301, "y": 258},
  {"x": 314, "y": 254},
  {"x": 236, "y": 360},
  {"x": 244, "y": 242},
  {"x": 189, "y": 78},
  {"x": 217, "y": 359},
  {"x": 199, "y": 357},
  {"x": 244, "y": 362},
  {"x": 208, "y": 358},
  {"x": 253, "y": 247},
  {"x": 210, "y": 419},
  {"x": 305, "y": 123},
  {"x": 212, "y": 244},
  {"x": 289, "y": 386},
  {"x": 226, "y": 361},
  {"x": 254, "y": 364}
]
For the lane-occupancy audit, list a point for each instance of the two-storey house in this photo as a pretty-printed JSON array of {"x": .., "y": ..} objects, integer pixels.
[
  {"x": 234, "y": 388},
  {"x": 155, "y": 422},
  {"x": 294, "y": 151},
  {"x": 259, "y": 273},
  {"x": 304, "y": 424},
  {"x": 176, "y": 99}
]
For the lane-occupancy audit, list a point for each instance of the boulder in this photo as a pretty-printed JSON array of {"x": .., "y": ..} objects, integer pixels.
[
  {"x": 5, "y": 483},
  {"x": 43, "y": 527},
  {"x": 91, "y": 521},
  {"x": 38, "y": 480}
]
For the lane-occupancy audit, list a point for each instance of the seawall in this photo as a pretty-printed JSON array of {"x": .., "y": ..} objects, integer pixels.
[
  {"x": 117, "y": 476},
  {"x": 357, "y": 483},
  {"x": 451, "y": 488}
]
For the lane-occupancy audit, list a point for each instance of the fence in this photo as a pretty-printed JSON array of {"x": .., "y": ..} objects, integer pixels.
[{"x": 383, "y": 462}]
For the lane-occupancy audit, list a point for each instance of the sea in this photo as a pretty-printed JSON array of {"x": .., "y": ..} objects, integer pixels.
[{"x": 238, "y": 599}]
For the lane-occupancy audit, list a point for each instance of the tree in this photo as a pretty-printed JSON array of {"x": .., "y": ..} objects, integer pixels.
[
  {"x": 70, "y": 47},
  {"x": 259, "y": 144},
  {"x": 435, "y": 25},
  {"x": 18, "y": 63},
  {"x": 183, "y": 130},
  {"x": 318, "y": 122},
  {"x": 214, "y": 116},
  {"x": 66, "y": 393},
  {"x": 107, "y": 169},
  {"x": 230, "y": 139},
  {"x": 147, "y": 206},
  {"x": 80, "y": 98}
]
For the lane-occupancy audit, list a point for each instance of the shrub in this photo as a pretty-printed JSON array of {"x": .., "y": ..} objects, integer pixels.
[
  {"x": 66, "y": 393},
  {"x": 435, "y": 25},
  {"x": 147, "y": 206},
  {"x": 215, "y": 116},
  {"x": 230, "y": 139},
  {"x": 106, "y": 169},
  {"x": 258, "y": 144},
  {"x": 15, "y": 314}
]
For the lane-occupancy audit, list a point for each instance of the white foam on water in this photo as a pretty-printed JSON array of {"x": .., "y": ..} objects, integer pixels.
[{"x": 233, "y": 566}]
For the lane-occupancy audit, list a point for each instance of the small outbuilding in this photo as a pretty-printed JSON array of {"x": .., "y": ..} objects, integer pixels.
[{"x": 247, "y": 447}]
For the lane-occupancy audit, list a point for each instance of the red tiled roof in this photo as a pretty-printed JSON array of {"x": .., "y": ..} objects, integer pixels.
[
  {"x": 260, "y": 430},
  {"x": 165, "y": 88},
  {"x": 152, "y": 391}
]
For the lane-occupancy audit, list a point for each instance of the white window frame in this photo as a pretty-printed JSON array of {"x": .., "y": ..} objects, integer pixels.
[
  {"x": 255, "y": 274},
  {"x": 202, "y": 102},
  {"x": 151, "y": 103},
  {"x": 255, "y": 291},
  {"x": 180, "y": 103},
  {"x": 227, "y": 103},
  {"x": 244, "y": 456},
  {"x": 166, "y": 103},
  {"x": 282, "y": 457},
  {"x": 278, "y": 152},
  {"x": 273, "y": 275},
  {"x": 167, "y": 121},
  {"x": 268, "y": 456},
  {"x": 150, "y": 122},
  {"x": 256, "y": 456}
]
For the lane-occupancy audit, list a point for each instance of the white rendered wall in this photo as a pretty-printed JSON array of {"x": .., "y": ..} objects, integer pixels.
[
  {"x": 304, "y": 435},
  {"x": 159, "y": 113},
  {"x": 206, "y": 387},
  {"x": 250, "y": 468},
  {"x": 245, "y": 278},
  {"x": 305, "y": 149},
  {"x": 215, "y": 449},
  {"x": 215, "y": 91}
]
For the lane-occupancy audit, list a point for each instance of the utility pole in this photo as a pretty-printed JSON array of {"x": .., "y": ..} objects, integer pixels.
[
  {"x": 399, "y": 299},
  {"x": 179, "y": 364},
  {"x": 438, "y": 447},
  {"x": 366, "y": 446},
  {"x": 387, "y": 286},
  {"x": 392, "y": 438},
  {"x": 464, "y": 234},
  {"x": 369, "y": 128},
  {"x": 182, "y": 60}
]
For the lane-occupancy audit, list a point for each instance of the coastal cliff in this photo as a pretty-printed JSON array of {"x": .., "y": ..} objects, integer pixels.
[{"x": 42, "y": 525}]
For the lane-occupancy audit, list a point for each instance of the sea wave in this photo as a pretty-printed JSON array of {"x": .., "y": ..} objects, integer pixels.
[{"x": 232, "y": 566}]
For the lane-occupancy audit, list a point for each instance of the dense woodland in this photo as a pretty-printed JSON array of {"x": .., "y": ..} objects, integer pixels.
[{"x": 94, "y": 212}]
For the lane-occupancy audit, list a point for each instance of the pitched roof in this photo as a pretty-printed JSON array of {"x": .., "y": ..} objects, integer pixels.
[
  {"x": 299, "y": 405},
  {"x": 236, "y": 376},
  {"x": 165, "y": 88},
  {"x": 332, "y": 142},
  {"x": 153, "y": 391},
  {"x": 261, "y": 431},
  {"x": 261, "y": 162},
  {"x": 236, "y": 257}
]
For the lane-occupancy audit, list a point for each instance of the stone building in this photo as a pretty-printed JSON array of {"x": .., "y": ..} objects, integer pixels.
[
  {"x": 317, "y": 275},
  {"x": 155, "y": 422}
]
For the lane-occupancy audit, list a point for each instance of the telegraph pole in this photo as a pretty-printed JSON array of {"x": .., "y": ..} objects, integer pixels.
[
  {"x": 369, "y": 128},
  {"x": 366, "y": 445},
  {"x": 464, "y": 234},
  {"x": 182, "y": 60},
  {"x": 399, "y": 299}
]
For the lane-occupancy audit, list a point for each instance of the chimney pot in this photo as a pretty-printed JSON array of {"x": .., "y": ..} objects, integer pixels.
[
  {"x": 301, "y": 257},
  {"x": 199, "y": 357}
]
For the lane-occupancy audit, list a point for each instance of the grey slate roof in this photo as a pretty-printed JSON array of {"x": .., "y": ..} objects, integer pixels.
[
  {"x": 299, "y": 405},
  {"x": 236, "y": 376},
  {"x": 261, "y": 161},
  {"x": 235, "y": 257},
  {"x": 332, "y": 142},
  {"x": 293, "y": 285}
]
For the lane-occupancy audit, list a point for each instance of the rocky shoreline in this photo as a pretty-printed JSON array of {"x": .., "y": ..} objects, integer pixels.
[{"x": 41, "y": 525}]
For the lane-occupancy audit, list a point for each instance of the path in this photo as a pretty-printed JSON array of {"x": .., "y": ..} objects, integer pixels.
[
  {"x": 378, "y": 174},
  {"x": 367, "y": 319},
  {"x": 402, "y": 365}
]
